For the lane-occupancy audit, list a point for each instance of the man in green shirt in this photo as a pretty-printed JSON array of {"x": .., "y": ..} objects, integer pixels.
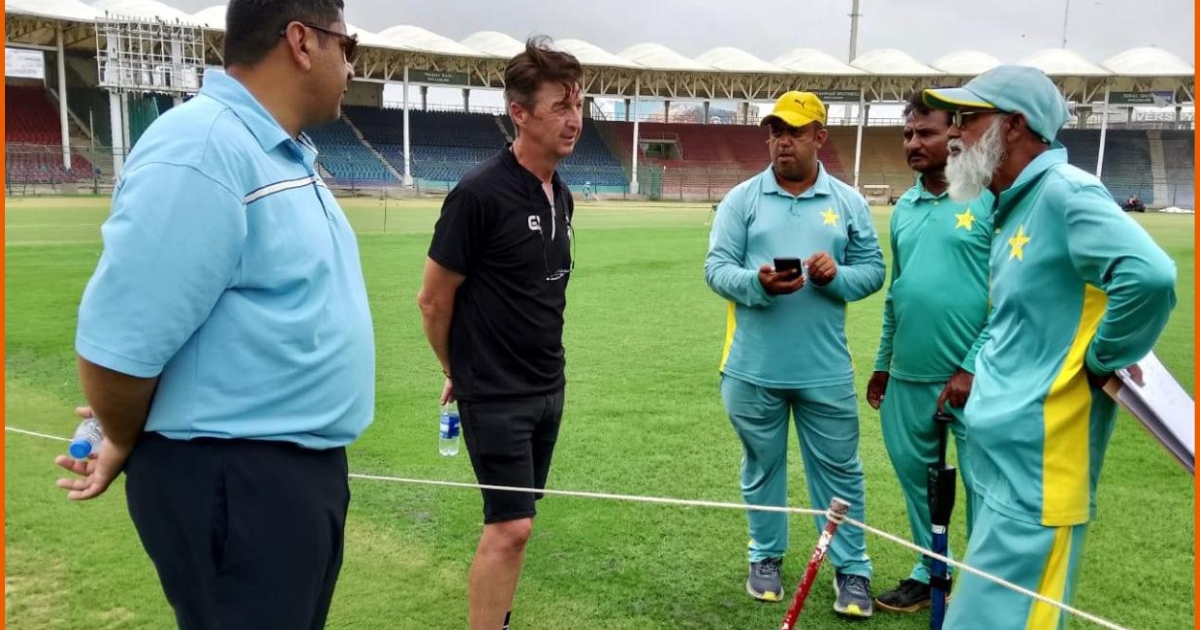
[
  {"x": 1079, "y": 290},
  {"x": 933, "y": 323}
]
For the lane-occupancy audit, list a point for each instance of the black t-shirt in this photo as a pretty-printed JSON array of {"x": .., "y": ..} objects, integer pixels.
[{"x": 499, "y": 230}]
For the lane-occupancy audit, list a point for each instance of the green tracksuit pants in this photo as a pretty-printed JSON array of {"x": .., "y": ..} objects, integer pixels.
[
  {"x": 911, "y": 439},
  {"x": 827, "y": 426}
]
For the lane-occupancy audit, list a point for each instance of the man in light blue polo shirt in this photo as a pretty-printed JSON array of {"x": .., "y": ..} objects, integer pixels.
[
  {"x": 785, "y": 345},
  {"x": 225, "y": 341}
]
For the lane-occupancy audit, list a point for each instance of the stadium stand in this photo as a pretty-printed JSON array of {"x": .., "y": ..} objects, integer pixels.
[
  {"x": 444, "y": 145},
  {"x": 883, "y": 161},
  {"x": 1179, "y": 156},
  {"x": 33, "y": 139},
  {"x": 1127, "y": 165},
  {"x": 707, "y": 160},
  {"x": 346, "y": 158},
  {"x": 1144, "y": 155},
  {"x": 592, "y": 161}
]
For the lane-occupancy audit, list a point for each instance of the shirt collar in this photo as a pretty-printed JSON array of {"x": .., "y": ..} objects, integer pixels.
[
  {"x": 820, "y": 187},
  {"x": 531, "y": 181},
  {"x": 1029, "y": 175},
  {"x": 923, "y": 193},
  {"x": 230, "y": 92}
]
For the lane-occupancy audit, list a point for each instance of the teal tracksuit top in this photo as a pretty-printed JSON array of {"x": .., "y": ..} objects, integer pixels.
[
  {"x": 798, "y": 340},
  {"x": 1075, "y": 282}
]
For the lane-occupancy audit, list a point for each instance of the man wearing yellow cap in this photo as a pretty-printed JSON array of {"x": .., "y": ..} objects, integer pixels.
[
  {"x": 1078, "y": 291},
  {"x": 785, "y": 348}
]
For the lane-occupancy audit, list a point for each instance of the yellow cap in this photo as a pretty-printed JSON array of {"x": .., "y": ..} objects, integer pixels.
[{"x": 797, "y": 109}]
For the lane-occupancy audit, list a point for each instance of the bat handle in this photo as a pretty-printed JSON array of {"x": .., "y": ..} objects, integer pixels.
[{"x": 942, "y": 420}]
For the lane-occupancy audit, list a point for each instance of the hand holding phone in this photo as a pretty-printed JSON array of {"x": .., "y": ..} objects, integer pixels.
[
  {"x": 785, "y": 266},
  {"x": 784, "y": 277}
]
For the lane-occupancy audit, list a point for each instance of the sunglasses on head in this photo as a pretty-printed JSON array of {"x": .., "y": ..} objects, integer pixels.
[{"x": 349, "y": 43}]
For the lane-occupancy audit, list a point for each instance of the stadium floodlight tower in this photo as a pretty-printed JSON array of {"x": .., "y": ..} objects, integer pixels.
[{"x": 142, "y": 55}]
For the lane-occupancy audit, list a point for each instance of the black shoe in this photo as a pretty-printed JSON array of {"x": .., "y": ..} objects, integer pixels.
[
  {"x": 853, "y": 595},
  {"x": 765, "y": 582},
  {"x": 908, "y": 597}
]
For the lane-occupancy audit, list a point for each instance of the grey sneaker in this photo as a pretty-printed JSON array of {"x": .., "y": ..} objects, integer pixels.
[
  {"x": 765, "y": 582},
  {"x": 853, "y": 595}
]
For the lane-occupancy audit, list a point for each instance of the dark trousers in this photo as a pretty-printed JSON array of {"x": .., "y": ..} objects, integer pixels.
[{"x": 243, "y": 533}]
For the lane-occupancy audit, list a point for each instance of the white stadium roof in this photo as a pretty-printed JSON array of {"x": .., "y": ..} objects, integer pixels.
[
  {"x": 68, "y": 10},
  {"x": 732, "y": 59},
  {"x": 494, "y": 43},
  {"x": 1060, "y": 62},
  {"x": 966, "y": 63},
  {"x": 892, "y": 62},
  {"x": 212, "y": 17},
  {"x": 715, "y": 71},
  {"x": 409, "y": 37},
  {"x": 592, "y": 55},
  {"x": 1149, "y": 62},
  {"x": 813, "y": 61},
  {"x": 659, "y": 57},
  {"x": 142, "y": 9}
]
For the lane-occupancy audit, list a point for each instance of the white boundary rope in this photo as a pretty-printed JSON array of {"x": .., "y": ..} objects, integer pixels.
[
  {"x": 41, "y": 435},
  {"x": 716, "y": 505}
]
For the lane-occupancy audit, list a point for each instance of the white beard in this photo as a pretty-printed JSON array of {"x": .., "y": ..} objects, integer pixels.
[{"x": 970, "y": 170}]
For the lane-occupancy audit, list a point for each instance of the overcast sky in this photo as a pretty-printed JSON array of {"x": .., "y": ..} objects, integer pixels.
[{"x": 1006, "y": 29}]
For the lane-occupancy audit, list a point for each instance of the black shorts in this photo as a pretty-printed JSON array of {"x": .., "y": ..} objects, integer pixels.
[{"x": 510, "y": 443}]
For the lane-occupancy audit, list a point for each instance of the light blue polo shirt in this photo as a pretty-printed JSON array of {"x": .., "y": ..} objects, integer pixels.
[
  {"x": 230, "y": 272},
  {"x": 797, "y": 340}
]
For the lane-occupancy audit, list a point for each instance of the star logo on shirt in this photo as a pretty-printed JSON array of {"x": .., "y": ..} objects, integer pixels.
[
  {"x": 830, "y": 217},
  {"x": 1017, "y": 244},
  {"x": 965, "y": 220}
]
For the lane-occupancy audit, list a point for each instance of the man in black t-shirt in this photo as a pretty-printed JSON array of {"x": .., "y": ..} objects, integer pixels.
[{"x": 493, "y": 299}]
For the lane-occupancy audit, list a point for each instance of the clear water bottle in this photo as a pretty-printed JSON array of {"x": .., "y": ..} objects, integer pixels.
[
  {"x": 87, "y": 438},
  {"x": 448, "y": 430}
]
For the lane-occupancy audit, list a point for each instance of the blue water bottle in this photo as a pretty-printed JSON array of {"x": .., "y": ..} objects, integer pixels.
[
  {"x": 448, "y": 430},
  {"x": 86, "y": 440}
]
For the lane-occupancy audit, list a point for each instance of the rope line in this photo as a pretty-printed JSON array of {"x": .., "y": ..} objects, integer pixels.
[{"x": 716, "y": 505}]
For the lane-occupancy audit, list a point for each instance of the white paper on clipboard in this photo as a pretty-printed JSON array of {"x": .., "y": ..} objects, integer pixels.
[{"x": 1162, "y": 406}]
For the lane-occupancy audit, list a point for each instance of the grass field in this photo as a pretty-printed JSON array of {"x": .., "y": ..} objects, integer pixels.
[{"x": 643, "y": 416}]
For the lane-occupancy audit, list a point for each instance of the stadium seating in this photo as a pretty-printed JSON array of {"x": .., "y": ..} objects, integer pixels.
[
  {"x": 702, "y": 161},
  {"x": 444, "y": 145},
  {"x": 1179, "y": 154},
  {"x": 1127, "y": 168},
  {"x": 883, "y": 162},
  {"x": 345, "y": 157},
  {"x": 592, "y": 161},
  {"x": 711, "y": 158},
  {"x": 33, "y": 139}
]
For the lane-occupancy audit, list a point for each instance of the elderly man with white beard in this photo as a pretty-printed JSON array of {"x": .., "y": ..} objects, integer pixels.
[{"x": 1078, "y": 291}]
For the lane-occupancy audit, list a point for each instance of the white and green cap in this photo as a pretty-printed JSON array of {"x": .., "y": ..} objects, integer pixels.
[{"x": 1009, "y": 88}]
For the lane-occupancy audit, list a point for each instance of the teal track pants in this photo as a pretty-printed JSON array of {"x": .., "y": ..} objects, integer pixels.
[
  {"x": 827, "y": 425},
  {"x": 911, "y": 440},
  {"x": 1045, "y": 560}
]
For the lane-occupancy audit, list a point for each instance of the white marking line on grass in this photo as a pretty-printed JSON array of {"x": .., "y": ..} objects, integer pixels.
[{"x": 718, "y": 505}]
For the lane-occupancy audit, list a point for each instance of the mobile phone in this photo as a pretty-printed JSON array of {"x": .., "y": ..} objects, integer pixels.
[{"x": 786, "y": 264}]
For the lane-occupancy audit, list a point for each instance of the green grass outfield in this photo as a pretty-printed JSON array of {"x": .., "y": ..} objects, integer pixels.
[{"x": 643, "y": 416}]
